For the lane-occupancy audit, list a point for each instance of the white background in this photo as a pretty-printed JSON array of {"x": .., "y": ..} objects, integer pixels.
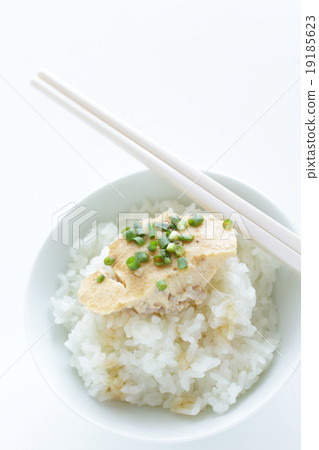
[{"x": 193, "y": 75}]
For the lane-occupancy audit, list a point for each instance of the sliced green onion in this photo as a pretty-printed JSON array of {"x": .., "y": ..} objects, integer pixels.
[
  {"x": 167, "y": 260},
  {"x": 161, "y": 285},
  {"x": 163, "y": 252},
  {"x": 182, "y": 225},
  {"x": 180, "y": 251},
  {"x": 173, "y": 236},
  {"x": 139, "y": 241},
  {"x": 140, "y": 232},
  {"x": 171, "y": 248},
  {"x": 162, "y": 225},
  {"x": 152, "y": 246},
  {"x": 172, "y": 226},
  {"x": 163, "y": 242},
  {"x": 168, "y": 232},
  {"x": 133, "y": 263},
  {"x": 182, "y": 263},
  {"x": 174, "y": 218},
  {"x": 195, "y": 221},
  {"x": 100, "y": 278},
  {"x": 151, "y": 230},
  {"x": 228, "y": 224},
  {"x": 187, "y": 238},
  {"x": 138, "y": 228},
  {"x": 109, "y": 260},
  {"x": 125, "y": 229},
  {"x": 142, "y": 256},
  {"x": 130, "y": 234},
  {"x": 158, "y": 260}
]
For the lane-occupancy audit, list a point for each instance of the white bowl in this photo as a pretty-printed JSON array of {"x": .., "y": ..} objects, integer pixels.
[{"x": 154, "y": 424}]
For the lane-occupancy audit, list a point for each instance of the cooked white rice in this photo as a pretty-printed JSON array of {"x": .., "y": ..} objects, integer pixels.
[{"x": 205, "y": 355}]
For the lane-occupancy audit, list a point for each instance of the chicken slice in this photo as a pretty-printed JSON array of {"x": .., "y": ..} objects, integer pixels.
[{"x": 137, "y": 289}]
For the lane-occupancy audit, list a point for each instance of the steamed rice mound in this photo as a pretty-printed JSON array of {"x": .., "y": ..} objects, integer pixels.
[{"x": 205, "y": 355}]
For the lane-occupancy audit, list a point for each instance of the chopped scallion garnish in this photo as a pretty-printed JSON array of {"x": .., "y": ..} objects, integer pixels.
[
  {"x": 139, "y": 241},
  {"x": 142, "y": 256},
  {"x": 180, "y": 251},
  {"x": 171, "y": 248},
  {"x": 181, "y": 225},
  {"x": 163, "y": 252},
  {"x": 133, "y": 263},
  {"x": 109, "y": 260},
  {"x": 182, "y": 263},
  {"x": 100, "y": 278},
  {"x": 140, "y": 232},
  {"x": 186, "y": 238},
  {"x": 161, "y": 285},
  {"x": 163, "y": 242},
  {"x": 228, "y": 224},
  {"x": 158, "y": 260},
  {"x": 162, "y": 225},
  {"x": 174, "y": 218},
  {"x": 152, "y": 246},
  {"x": 167, "y": 260},
  {"x": 130, "y": 234},
  {"x": 196, "y": 220},
  {"x": 151, "y": 230},
  {"x": 173, "y": 236}
]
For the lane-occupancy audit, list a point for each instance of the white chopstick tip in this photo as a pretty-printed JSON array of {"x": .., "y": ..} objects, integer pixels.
[
  {"x": 39, "y": 83},
  {"x": 42, "y": 75},
  {"x": 43, "y": 71},
  {"x": 46, "y": 75}
]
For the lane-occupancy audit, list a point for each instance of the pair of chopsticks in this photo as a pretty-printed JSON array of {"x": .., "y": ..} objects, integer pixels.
[{"x": 210, "y": 195}]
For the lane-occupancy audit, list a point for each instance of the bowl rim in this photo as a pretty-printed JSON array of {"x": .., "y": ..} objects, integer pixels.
[{"x": 201, "y": 435}]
